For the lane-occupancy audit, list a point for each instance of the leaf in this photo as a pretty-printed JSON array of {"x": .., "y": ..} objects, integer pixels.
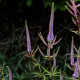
[
  {"x": 44, "y": 78},
  {"x": 76, "y": 32},
  {"x": 37, "y": 74},
  {"x": 28, "y": 2},
  {"x": 55, "y": 71},
  {"x": 45, "y": 70},
  {"x": 76, "y": 50}
]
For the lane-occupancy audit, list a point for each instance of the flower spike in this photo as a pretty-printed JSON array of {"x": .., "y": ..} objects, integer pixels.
[
  {"x": 54, "y": 60},
  {"x": 73, "y": 10},
  {"x": 61, "y": 78},
  {"x": 28, "y": 38},
  {"x": 72, "y": 52},
  {"x": 50, "y": 35},
  {"x": 51, "y": 39},
  {"x": 10, "y": 73},
  {"x": 54, "y": 57},
  {"x": 76, "y": 71}
]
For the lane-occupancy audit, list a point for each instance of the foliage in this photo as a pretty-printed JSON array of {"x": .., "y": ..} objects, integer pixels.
[
  {"x": 40, "y": 67},
  {"x": 59, "y": 4}
]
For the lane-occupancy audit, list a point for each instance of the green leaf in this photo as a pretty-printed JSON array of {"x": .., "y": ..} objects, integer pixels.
[
  {"x": 76, "y": 0},
  {"x": 55, "y": 72},
  {"x": 29, "y": 2},
  {"x": 46, "y": 71},
  {"x": 76, "y": 50},
  {"x": 76, "y": 32}
]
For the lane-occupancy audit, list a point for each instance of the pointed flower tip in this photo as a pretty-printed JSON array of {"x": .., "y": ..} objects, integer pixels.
[
  {"x": 26, "y": 23},
  {"x": 53, "y": 4}
]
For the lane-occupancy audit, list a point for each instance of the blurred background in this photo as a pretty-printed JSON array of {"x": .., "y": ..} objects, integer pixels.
[{"x": 13, "y": 14}]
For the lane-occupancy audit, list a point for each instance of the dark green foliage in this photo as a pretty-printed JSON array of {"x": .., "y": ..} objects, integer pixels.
[
  {"x": 59, "y": 4},
  {"x": 13, "y": 48}
]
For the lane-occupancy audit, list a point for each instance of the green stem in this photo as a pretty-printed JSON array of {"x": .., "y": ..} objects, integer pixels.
[{"x": 51, "y": 69}]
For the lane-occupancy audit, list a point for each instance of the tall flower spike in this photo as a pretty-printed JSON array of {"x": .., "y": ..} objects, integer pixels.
[
  {"x": 28, "y": 38},
  {"x": 72, "y": 52},
  {"x": 51, "y": 39},
  {"x": 76, "y": 71},
  {"x": 50, "y": 34}
]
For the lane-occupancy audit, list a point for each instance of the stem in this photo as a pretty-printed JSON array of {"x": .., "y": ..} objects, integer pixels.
[
  {"x": 51, "y": 68},
  {"x": 79, "y": 39},
  {"x": 48, "y": 51},
  {"x": 34, "y": 60}
]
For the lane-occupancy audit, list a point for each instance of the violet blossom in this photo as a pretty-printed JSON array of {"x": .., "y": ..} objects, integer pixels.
[
  {"x": 61, "y": 78},
  {"x": 28, "y": 38},
  {"x": 79, "y": 54},
  {"x": 54, "y": 60},
  {"x": 50, "y": 34},
  {"x": 30, "y": 51},
  {"x": 51, "y": 38},
  {"x": 10, "y": 73},
  {"x": 76, "y": 71},
  {"x": 72, "y": 52},
  {"x": 72, "y": 8}
]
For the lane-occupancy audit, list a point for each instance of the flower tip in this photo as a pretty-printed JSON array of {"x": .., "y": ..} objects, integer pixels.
[
  {"x": 26, "y": 23},
  {"x": 52, "y": 4},
  {"x": 28, "y": 38}
]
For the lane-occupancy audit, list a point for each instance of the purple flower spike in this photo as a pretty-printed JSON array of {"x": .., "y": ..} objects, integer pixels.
[
  {"x": 78, "y": 57},
  {"x": 72, "y": 52},
  {"x": 72, "y": 8},
  {"x": 79, "y": 54},
  {"x": 28, "y": 38},
  {"x": 50, "y": 35},
  {"x": 54, "y": 60},
  {"x": 76, "y": 71},
  {"x": 61, "y": 78},
  {"x": 10, "y": 74}
]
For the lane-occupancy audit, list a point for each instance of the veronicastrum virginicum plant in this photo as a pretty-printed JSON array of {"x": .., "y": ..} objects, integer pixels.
[
  {"x": 75, "y": 66},
  {"x": 73, "y": 9},
  {"x": 51, "y": 42},
  {"x": 30, "y": 53},
  {"x": 51, "y": 39}
]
